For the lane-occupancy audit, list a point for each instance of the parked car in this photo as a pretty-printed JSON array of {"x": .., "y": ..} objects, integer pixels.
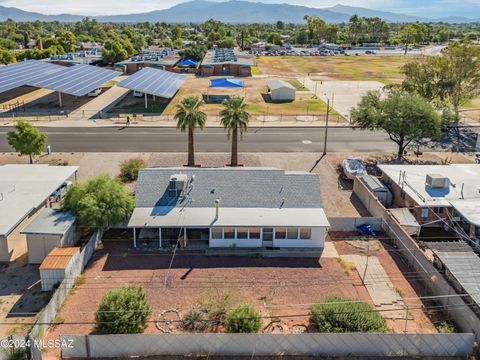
[
  {"x": 94, "y": 93},
  {"x": 59, "y": 194},
  {"x": 137, "y": 94}
]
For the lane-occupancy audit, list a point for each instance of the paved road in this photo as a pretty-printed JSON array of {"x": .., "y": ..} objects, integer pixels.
[{"x": 209, "y": 140}]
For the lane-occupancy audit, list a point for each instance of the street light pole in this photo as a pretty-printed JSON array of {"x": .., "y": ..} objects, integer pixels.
[{"x": 326, "y": 128}]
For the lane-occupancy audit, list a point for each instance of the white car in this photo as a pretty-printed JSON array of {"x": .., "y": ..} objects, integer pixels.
[
  {"x": 137, "y": 94},
  {"x": 59, "y": 194},
  {"x": 95, "y": 92}
]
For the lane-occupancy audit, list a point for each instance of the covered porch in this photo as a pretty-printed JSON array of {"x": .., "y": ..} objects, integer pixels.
[{"x": 170, "y": 237}]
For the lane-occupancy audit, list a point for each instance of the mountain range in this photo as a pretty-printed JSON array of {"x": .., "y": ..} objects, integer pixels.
[{"x": 232, "y": 11}]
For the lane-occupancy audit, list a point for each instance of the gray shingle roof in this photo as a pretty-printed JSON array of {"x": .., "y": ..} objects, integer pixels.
[
  {"x": 279, "y": 84},
  {"x": 51, "y": 222},
  {"x": 239, "y": 187}
]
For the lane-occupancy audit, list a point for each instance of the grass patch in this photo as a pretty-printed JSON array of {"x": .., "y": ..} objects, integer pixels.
[
  {"x": 111, "y": 83},
  {"x": 347, "y": 266},
  {"x": 297, "y": 84},
  {"x": 153, "y": 108},
  {"x": 255, "y": 71}
]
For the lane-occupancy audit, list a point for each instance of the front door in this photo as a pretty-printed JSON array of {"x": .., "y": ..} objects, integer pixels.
[{"x": 267, "y": 237}]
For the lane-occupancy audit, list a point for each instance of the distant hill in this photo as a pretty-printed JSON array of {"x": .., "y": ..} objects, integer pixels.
[{"x": 232, "y": 11}]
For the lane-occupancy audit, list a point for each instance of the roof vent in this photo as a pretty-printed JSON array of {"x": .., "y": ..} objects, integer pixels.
[
  {"x": 177, "y": 184},
  {"x": 437, "y": 181}
]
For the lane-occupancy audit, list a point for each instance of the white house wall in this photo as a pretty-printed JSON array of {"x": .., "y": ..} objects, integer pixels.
[
  {"x": 39, "y": 246},
  {"x": 246, "y": 243}
]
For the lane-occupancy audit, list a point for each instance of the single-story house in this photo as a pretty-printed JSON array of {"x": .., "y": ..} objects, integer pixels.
[
  {"x": 436, "y": 194},
  {"x": 51, "y": 228},
  {"x": 24, "y": 190},
  {"x": 200, "y": 208},
  {"x": 280, "y": 90},
  {"x": 226, "y": 62}
]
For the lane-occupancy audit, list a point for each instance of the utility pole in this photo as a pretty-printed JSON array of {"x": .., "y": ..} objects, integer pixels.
[{"x": 326, "y": 128}]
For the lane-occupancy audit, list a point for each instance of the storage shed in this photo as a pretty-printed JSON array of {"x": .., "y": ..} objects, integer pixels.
[
  {"x": 51, "y": 228},
  {"x": 382, "y": 193},
  {"x": 57, "y": 265},
  {"x": 280, "y": 90}
]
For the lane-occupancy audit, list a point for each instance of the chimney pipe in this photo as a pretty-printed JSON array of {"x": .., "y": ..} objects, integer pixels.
[{"x": 217, "y": 207}]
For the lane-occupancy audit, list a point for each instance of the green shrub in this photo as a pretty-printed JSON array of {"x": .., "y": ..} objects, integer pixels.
[
  {"x": 195, "y": 320},
  {"x": 243, "y": 319},
  {"x": 129, "y": 169},
  {"x": 15, "y": 353},
  {"x": 335, "y": 314},
  {"x": 123, "y": 311}
]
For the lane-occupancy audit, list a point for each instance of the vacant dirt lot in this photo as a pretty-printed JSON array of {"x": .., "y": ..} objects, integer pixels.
[
  {"x": 386, "y": 69},
  {"x": 255, "y": 95}
]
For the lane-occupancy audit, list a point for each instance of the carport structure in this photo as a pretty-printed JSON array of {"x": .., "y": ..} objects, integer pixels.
[
  {"x": 76, "y": 80},
  {"x": 149, "y": 81}
]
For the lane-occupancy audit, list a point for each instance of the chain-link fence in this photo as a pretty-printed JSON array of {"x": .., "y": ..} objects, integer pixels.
[{"x": 319, "y": 344}]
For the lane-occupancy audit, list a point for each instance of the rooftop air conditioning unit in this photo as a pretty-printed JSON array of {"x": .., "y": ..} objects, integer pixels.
[
  {"x": 177, "y": 184},
  {"x": 437, "y": 181}
]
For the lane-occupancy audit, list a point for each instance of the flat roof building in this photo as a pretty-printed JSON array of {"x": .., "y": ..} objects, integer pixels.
[
  {"x": 226, "y": 207},
  {"x": 226, "y": 62},
  {"x": 24, "y": 189},
  {"x": 437, "y": 194},
  {"x": 162, "y": 58}
]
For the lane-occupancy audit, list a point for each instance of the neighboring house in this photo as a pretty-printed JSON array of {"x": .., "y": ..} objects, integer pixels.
[
  {"x": 436, "y": 194},
  {"x": 51, "y": 228},
  {"x": 24, "y": 190},
  {"x": 280, "y": 90},
  {"x": 228, "y": 207},
  {"x": 226, "y": 62}
]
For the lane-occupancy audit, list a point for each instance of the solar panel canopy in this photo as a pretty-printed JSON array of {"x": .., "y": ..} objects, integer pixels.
[
  {"x": 77, "y": 80},
  {"x": 154, "y": 82},
  {"x": 23, "y": 73}
]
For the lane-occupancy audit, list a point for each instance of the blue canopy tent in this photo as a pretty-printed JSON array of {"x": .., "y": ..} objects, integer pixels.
[
  {"x": 226, "y": 83},
  {"x": 187, "y": 62}
]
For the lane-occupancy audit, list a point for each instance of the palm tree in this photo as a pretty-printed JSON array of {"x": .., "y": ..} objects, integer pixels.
[
  {"x": 189, "y": 116},
  {"x": 235, "y": 117}
]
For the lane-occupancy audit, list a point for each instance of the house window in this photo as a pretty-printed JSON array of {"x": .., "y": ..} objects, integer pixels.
[
  {"x": 424, "y": 213},
  {"x": 292, "y": 233},
  {"x": 254, "y": 233},
  {"x": 229, "y": 233},
  {"x": 217, "y": 233},
  {"x": 305, "y": 233},
  {"x": 268, "y": 234},
  {"x": 280, "y": 233},
  {"x": 242, "y": 233},
  {"x": 438, "y": 210}
]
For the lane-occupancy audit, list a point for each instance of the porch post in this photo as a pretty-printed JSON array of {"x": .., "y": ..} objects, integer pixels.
[
  {"x": 159, "y": 237},
  {"x": 134, "y": 237}
]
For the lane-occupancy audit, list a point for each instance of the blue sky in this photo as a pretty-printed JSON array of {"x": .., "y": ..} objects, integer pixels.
[{"x": 422, "y": 8}]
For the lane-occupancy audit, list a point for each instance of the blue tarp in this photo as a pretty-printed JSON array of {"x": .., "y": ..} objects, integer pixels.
[
  {"x": 226, "y": 83},
  {"x": 187, "y": 62}
]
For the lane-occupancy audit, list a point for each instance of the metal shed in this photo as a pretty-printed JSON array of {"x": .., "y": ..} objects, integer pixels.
[
  {"x": 50, "y": 229},
  {"x": 57, "y": 265},
  {"x": 280, "y": 90}
]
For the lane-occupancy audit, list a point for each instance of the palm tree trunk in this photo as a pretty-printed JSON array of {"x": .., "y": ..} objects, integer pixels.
[
  {"x": 234, "y": 160},
  {"x": 191, "y": 148}
]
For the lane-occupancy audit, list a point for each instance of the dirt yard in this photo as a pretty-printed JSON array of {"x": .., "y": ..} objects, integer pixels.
[
  {"x": 386, "y": 69},
  {"x": 255, "y": 94}
]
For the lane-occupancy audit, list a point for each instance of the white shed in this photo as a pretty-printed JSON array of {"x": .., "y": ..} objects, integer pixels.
[
  {"x": 280, "y": 90},
  {"x": 57, "y": 265},
  {"x": 50, "y": 229}
]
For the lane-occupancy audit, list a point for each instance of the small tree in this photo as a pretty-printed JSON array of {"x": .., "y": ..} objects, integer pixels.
[
  {"x": 129, "y": 169},
  {"x": 243, "y": 319},
  {"x": 335, "y": 314},
  {"x": 99, "y": 203},
  {"x": 123, "y": 311},
  {"x": 404, "y": 117},
  {"x": 27, "y": 140}
]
